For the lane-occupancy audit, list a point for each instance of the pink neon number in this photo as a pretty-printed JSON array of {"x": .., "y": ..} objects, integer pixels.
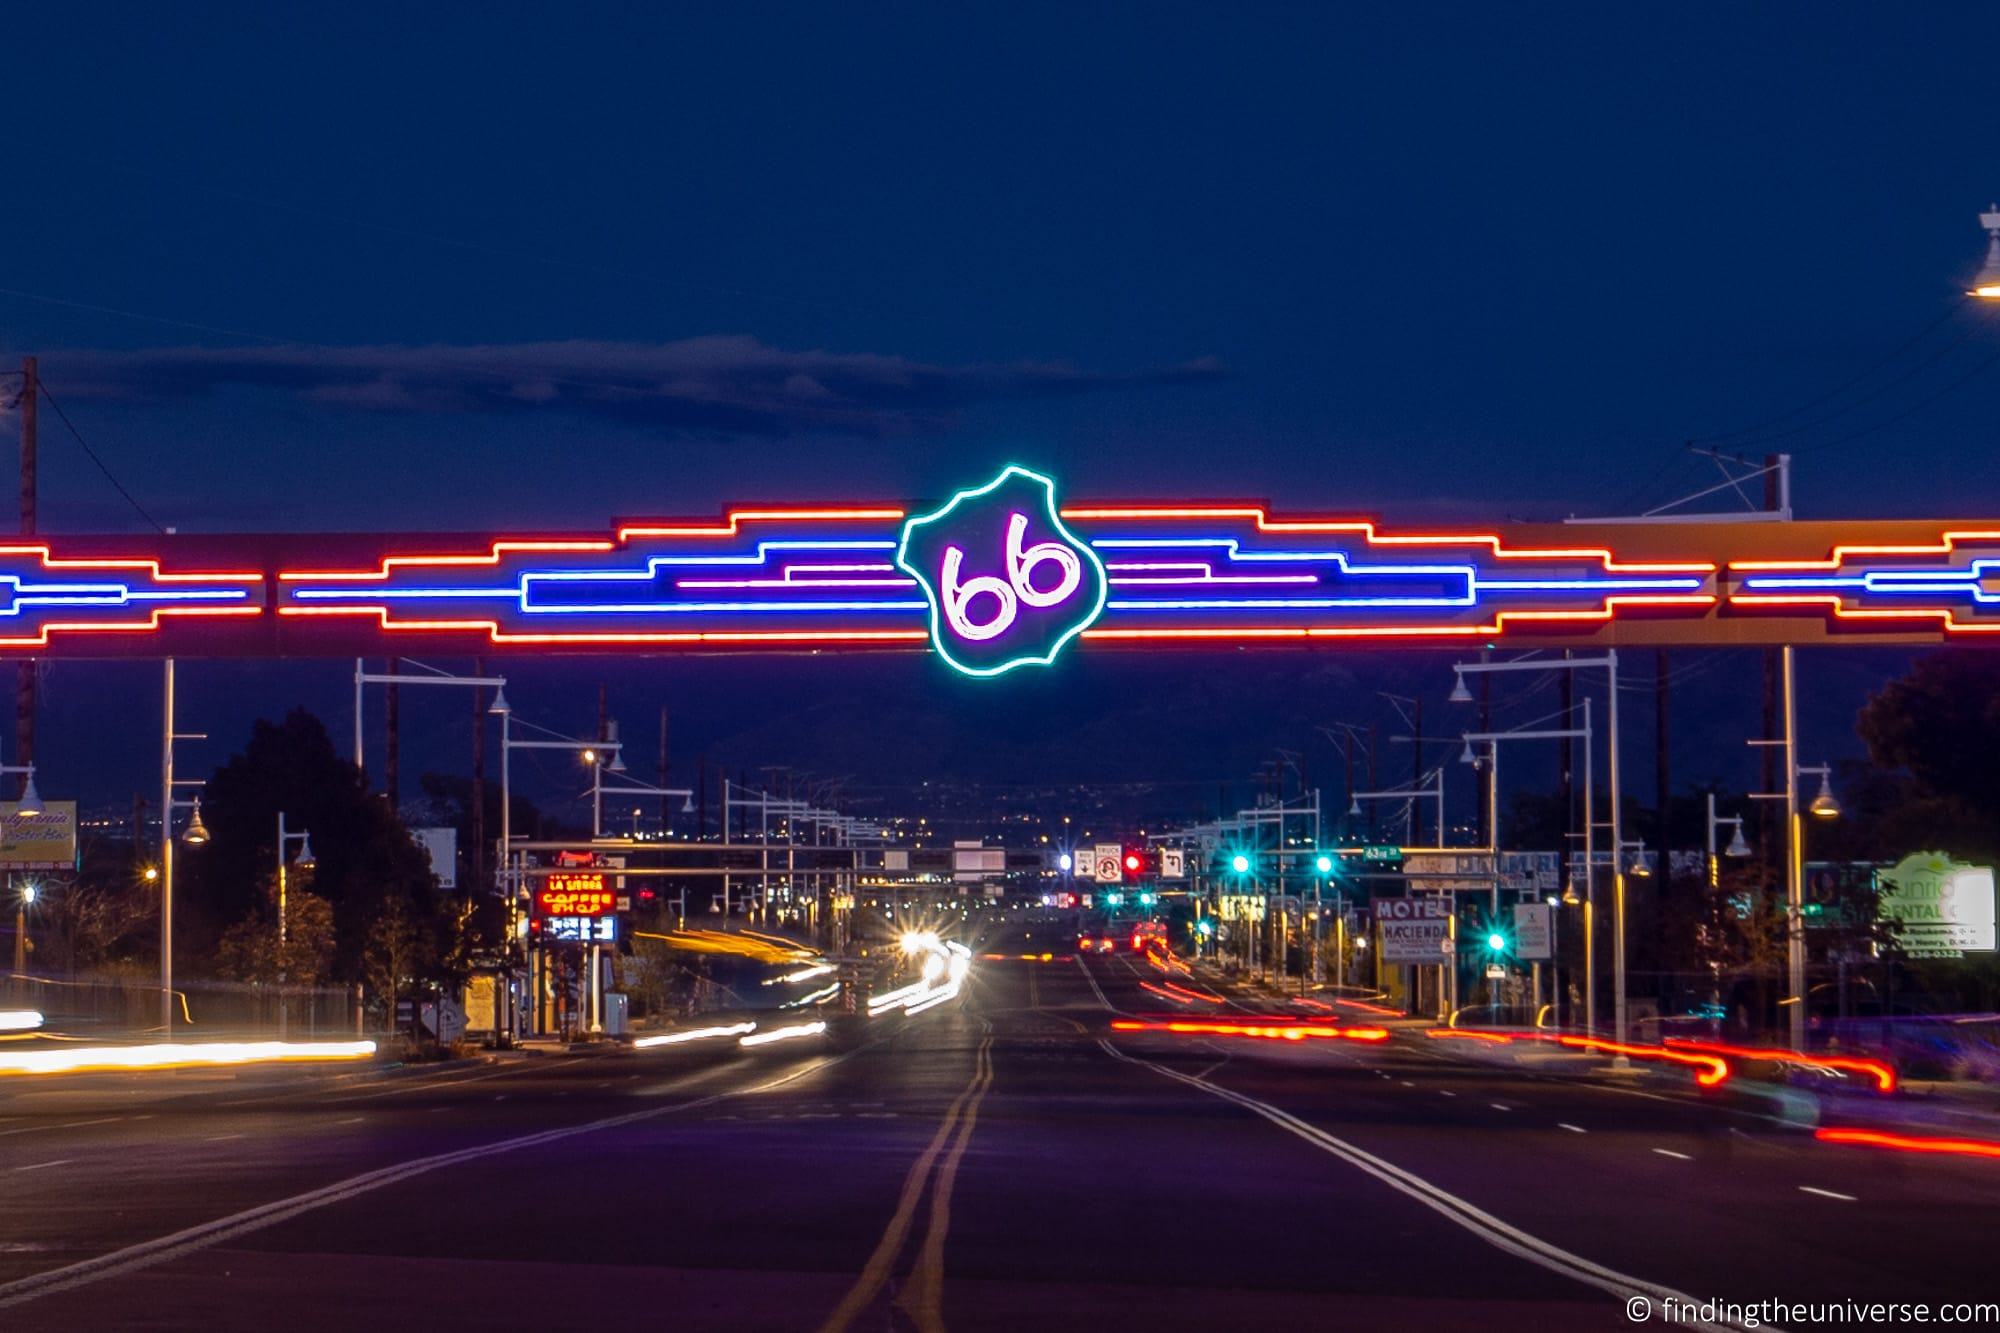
[
  {"x": 1011, "y": 593},
  {"x": 1021, "y": 565},
  {"x": 957, "y": 596}
]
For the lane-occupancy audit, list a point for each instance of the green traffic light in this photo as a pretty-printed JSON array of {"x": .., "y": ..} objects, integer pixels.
[
  {"x": 1325, "y": 864},
  {"x": 1497, "y": 942},
  {"x": 1240, "y": 864}
]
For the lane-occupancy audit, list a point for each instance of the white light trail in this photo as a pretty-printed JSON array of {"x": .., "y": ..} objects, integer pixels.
[
  {"x": 19, "y": 1020},
  {"x": 179, "y": 1055},
  {"x": 695, "y": 1034},
  {"x": 781, "y": 1034}
]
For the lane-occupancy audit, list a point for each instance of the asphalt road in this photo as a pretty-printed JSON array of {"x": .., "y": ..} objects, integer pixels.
[{"x": 1004, "y": 1162}]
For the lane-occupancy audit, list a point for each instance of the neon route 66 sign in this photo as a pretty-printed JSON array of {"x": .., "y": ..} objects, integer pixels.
[{"x": 1008, "y": 584}]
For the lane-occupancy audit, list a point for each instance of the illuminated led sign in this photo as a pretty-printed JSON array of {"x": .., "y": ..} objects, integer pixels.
[
  {"x": 580, "y": 929},
  {"x": 575, "y": 893},
  {"x": 1008, "y": 585}
]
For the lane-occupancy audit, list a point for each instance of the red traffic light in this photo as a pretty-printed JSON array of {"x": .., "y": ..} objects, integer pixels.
[{"x": 1134, "y": 862}]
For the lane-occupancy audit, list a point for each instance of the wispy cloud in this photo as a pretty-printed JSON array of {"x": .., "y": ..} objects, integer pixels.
[{"x": 719, "y": 385}]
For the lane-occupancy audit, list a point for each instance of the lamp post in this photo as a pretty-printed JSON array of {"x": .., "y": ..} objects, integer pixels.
[
  {"x": 1492, "y": 740},
  {"x": 1431, "y": 791},
  {"x": 1823, "y": 806},
  {"x": 1609, "y": 661},
  {"x": 196, "y": 835},
  {"x": 22, "y": 901},
  {"x": 306, "y": 862},
  {"x": 591, "y": 752}
]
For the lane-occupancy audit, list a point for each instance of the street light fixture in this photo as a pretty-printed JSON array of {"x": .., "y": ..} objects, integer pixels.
[
  {"x": 1823, "y": 805},
  {"x": 197, "y": 832},
  {"x": 1987, "y": 285},
  {"x": 1459, "y": 694}
]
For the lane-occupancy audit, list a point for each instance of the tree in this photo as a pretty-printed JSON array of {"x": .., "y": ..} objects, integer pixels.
[
  {"x": 368, "y": 867},
  {"x": 250, "y": 951},
  {"x": 1940, "y": 723}
]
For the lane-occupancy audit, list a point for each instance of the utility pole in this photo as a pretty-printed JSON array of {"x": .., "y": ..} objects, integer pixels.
[
  {"x": 665, "y": 809},
  {"x": 392, "y": 740},
  {"x": 1417, "y": 775},
  {"x": 476, "y": 816},
  {"x": 1777, "y": 499},
  {"x": 1662, "y": 770},
  {"x": 24, "y": 689}
]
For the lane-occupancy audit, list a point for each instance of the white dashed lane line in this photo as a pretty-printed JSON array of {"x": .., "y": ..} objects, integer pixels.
[
  {"x": 1828, "y": 1194},
  {"x": 1677, "y": 1156},
  {"x": 36, "y": 1166},
  {"x": 1574, "y": 1129}
]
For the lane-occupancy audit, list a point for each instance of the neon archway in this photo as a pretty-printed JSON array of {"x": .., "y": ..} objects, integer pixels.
[{"x": 1063, "y": 575}]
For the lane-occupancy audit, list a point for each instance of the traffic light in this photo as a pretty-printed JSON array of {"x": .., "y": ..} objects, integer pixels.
[
  {"x": 1145, "y": 900},
  {"x": 1135, "y": 862},
  {"x": 1323, "y": 863},
  {"x": 1240, "y": 864},
  {"x": 1496, "y": 942},
  {"x": 1113, "y": 899}
]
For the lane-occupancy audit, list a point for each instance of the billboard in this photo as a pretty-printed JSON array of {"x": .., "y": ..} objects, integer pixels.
[
  {"x": 46, "y": 841},
  {"x": 1937, "y": 907},
  {"x": 1415, "y": 929},
  {"x": 575, "y": 893},
  {"x": 441, "y": 846}
]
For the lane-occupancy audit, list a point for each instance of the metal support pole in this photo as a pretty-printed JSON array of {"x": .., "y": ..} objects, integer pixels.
[
  {"x": 167, "y": 855},
  {"x": 1589, "y": 876},
  {"x": 1795, "y": 876},
  {"x": 1620, "y": 1026}
]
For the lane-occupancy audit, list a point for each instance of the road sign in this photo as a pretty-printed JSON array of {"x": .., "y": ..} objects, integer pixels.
[
  {"x": 1494, "y": 972},
  {"x": 1105, "y": 863},
  {"x": 1414, "y": 930},
  {"x": 1534, "y": 932},
  {"x": 1376, "y": 855},
  {"x": 1173, "y": 863}
]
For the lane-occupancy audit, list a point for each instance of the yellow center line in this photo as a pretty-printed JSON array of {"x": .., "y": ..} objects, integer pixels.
[
  {"x": 876, "y": 1271},
  {"x": 924, "y": 1297}
]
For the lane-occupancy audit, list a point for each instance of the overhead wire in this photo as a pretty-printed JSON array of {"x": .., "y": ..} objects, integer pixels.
[{"x": 92, "y": 454}]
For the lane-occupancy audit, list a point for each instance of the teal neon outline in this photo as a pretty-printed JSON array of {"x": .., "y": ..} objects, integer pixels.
[{"x": 1048, "y": 486}]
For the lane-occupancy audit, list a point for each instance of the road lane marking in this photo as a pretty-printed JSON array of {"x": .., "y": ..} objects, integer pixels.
[
  {"x": 1574, "y": 1129},
  {"x": 145, "y": 1254},
  {"x": 923, "y": 1298},
  {"x": 876, "y": 1271},
  {"x": 37, "y": 1166},
  {"x": 1446, "y": 1092},
  {"x": 72, "y": 1124},
  {"x": 1677, "y": 1156},
  {"x": 1406, "y": 1083},
  {"x": 1500, "y": 1106},
  {"x": 1495, "y": 1232},
  {"x": 351, "y": 1120},
  {"x": 220, "y": 1138},
  {"x": 1828, "y": 1194}
]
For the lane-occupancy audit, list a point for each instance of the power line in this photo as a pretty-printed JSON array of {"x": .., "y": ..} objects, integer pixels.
[
  {"x": 1921, "y": 403},
  {"x": 1840, "y": 388},
  {"x": 1914, "y": 370},
  {"x": 92, "y": 454}
]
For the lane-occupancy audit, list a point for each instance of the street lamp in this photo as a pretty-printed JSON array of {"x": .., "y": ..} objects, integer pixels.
[
  {"x": 1609, "y": 661},
  {"x": 25, "y": 900},
  {"x": 1586, "y": 733},
  {"x": 1824, "y": 807},
  {"x": 30, "y": 803},
  {"x": 1987, "y": 284},
  {"x": 1737, "y": 847}
]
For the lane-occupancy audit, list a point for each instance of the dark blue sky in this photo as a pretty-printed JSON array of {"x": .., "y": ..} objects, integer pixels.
[{"x": 529, "y": 265}]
